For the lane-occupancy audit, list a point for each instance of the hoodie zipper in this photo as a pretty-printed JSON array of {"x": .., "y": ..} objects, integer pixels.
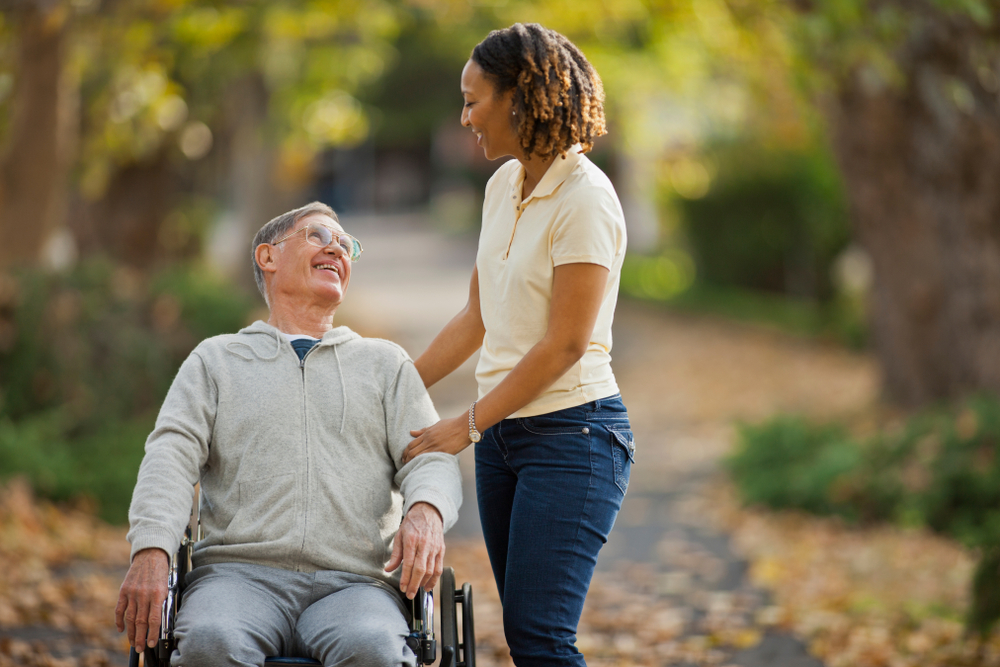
[{"x": 305, "y": 430}]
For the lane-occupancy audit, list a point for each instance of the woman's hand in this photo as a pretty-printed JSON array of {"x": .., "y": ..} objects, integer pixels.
[{"x": 449, "y": 436}]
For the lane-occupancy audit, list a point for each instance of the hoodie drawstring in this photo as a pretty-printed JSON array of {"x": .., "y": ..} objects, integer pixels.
[
  {"x": 343, "y": 389},
  {"x": 231, "y": 347},
  {"x": 277, "y": 348}
]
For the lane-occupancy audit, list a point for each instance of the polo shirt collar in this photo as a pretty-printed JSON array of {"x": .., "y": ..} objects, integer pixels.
[{"x": 558, "y": 171}]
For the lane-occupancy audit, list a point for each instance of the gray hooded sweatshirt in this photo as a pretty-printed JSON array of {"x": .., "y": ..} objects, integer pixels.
[{"x": 299, "y": 463}]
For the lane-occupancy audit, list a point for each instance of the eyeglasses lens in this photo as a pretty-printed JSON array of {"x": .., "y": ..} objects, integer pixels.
[{"x": 322, "y": 236}]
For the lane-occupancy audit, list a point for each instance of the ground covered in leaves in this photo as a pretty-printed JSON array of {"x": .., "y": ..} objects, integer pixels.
[
  {"x": 865, "y": 597},
  {"x": 862, "y": 596},
  {"x": 59, "y": 578},
  {"x": 879, "y": 597}
]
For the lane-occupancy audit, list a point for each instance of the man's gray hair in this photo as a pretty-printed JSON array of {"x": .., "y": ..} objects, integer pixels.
[{"x": 278, "y": 227}]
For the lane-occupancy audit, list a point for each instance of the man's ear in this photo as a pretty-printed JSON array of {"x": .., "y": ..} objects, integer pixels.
[{"x": 266, "y": 257}]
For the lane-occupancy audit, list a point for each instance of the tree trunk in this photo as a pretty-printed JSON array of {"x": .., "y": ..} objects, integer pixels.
[
  {"x": 125, "y": 223},
  {"x": 922, "y": 168},
  {"x": 34, "y": 162}
]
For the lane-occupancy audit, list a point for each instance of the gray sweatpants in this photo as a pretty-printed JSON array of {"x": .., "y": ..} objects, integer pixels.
[{"x": 239, "y": 614}]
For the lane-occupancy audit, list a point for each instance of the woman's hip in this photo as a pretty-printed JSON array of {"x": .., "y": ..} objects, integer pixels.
[{"x": 587, "y": 448}]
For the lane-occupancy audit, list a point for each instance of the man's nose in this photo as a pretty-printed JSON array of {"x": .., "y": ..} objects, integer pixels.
[{"x": 335, "y": 248}]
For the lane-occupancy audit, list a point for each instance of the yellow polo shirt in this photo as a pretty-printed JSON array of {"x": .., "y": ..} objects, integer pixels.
[{"x": 572, "y": 216}]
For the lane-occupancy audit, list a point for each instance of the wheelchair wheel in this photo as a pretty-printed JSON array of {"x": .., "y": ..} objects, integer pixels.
[
  {"x": 468, "y": 627},
  {"x": 449, "y": 634},
  {"x": 456, "y": 652}
]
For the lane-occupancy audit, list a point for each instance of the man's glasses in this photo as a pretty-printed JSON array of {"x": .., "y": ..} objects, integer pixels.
[{"x": 321, "y": 236}]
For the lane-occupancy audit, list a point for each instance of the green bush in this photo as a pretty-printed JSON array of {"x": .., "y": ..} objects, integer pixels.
[
  {"x": 941, "y": 470},
  {"x": 92, "y": 354},
  {"x": 101, "y": 466},
  {"x": 759, "y": 244},
  {"x": 789, "y": 463},
  {"x": 773, "y": 220}
]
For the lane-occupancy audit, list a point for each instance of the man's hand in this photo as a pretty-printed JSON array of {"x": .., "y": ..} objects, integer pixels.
[
  {"x": 140, "y": 600},
  {"x": 419, "y": 547}
]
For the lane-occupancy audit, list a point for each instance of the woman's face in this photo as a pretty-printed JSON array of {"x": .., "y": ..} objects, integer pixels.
[{"x": 488, "y": 115}]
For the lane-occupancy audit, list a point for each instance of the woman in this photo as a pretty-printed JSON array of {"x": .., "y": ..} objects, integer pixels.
[{"x": 553, "y": 440}]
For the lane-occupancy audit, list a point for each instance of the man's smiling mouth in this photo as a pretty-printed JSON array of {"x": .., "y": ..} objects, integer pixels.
[{"x": 328, "y": 267}]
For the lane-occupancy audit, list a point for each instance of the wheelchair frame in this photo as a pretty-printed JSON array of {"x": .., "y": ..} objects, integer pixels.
[{"x": 421, "y": 639}]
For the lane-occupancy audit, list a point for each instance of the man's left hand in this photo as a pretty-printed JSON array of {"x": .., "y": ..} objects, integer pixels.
[{"x": 419, "y": 548}]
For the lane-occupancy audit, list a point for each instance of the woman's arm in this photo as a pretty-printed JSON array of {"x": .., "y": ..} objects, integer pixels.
[
  {"x": 458, "y": 341},
  {"x": 577, "y": 292}
]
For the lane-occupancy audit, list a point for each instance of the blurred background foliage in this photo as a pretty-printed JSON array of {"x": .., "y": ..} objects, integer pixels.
[
  {"x": 93, "y": 352},
  {"x": 827, "y": 167}
]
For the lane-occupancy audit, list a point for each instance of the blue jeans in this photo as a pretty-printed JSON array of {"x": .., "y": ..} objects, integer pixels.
[{"x": 549, "y": 489}]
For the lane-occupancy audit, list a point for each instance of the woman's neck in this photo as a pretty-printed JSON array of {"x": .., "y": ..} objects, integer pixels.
[{"x": 534, "y": 169}]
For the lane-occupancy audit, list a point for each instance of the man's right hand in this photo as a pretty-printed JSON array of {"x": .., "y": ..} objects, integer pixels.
[{"x": 140, "y": 600}]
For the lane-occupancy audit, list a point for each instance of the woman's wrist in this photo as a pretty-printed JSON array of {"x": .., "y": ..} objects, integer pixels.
[{"x": 474, "y": 433}]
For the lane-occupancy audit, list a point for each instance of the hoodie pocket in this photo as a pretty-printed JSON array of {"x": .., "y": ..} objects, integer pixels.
[{"x": 266, "y": 511}]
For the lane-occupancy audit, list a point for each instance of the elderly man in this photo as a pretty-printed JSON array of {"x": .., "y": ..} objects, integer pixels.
[{"x": 295, "y": 430}]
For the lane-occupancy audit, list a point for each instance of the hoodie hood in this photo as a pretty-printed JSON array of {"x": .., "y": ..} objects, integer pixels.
[{"x": 265, "y": 341}]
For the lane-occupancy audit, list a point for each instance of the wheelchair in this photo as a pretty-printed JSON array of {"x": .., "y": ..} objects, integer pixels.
[{"x": 455, "y": 651}]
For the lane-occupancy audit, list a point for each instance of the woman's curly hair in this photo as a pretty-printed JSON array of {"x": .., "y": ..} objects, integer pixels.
[{"x": 558, "y": 96}]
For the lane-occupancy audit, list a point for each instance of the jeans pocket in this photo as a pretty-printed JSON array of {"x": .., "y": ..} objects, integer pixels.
[
  {"x": 553, "y": 424},
  {"x": 623, "y": 453}
]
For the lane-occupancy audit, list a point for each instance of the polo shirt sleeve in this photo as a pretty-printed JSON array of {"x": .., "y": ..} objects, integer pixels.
[{"x": 589, "y": 229}]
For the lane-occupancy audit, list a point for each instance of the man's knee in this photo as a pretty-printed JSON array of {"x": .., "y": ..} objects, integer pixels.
[
  {"x": 373, "y": 642},
  {"x": 215, "y": 642}
]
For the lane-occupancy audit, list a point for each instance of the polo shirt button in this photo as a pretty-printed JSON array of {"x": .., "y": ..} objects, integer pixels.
[{"x": 586, "y": 430}]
